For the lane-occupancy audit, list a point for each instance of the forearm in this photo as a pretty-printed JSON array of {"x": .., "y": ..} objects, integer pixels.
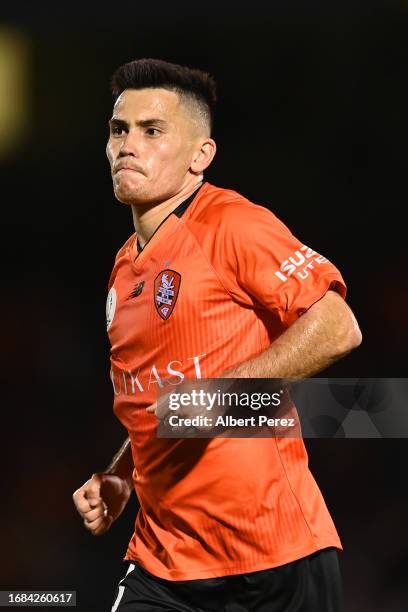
[
  {"x": 122, "y": 463},
  {"x": 324, "y": 334}
]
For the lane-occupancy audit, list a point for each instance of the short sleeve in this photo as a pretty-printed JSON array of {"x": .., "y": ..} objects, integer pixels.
[{"x": 264, "y": 264}]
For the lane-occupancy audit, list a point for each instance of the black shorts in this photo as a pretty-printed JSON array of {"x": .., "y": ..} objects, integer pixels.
[{"x": 311, "y": 584}]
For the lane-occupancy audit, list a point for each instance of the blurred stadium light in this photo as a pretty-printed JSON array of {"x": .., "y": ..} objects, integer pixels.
[{"x": 14, "y": 90}]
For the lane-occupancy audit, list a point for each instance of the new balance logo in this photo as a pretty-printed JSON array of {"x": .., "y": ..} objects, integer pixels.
[{"x": 137, "y": 290}]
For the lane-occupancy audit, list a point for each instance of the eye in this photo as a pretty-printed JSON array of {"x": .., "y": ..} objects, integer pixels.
[
  {"x": 116, "y": 130},
  {"x": 151, "y": 131}
]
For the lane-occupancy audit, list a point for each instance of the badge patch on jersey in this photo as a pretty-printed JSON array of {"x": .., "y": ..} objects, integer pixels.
[
  {"x": 110, "y": 307},
  {"x": 166, "y": 288}
]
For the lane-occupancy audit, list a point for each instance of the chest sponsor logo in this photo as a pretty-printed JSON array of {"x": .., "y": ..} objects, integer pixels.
[
  {"x": 157, "y": 376},
  {"x": 166, "y": 288}
]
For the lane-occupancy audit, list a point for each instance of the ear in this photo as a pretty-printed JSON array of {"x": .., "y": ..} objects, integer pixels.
[{"x": 203, "y": 155}]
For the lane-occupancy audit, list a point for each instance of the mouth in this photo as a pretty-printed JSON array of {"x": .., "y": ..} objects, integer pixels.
[{"x": 128, "y": 170}]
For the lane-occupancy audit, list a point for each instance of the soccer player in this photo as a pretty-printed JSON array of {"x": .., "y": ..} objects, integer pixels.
[{"x": 209, "y": 285}]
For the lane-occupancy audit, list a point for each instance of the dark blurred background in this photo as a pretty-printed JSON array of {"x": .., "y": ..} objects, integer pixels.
[{"x": 312, "y": 122}]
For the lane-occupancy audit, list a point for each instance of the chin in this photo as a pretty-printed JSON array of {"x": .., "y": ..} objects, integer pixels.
[
  {"x": 129, "y": 195},
  {"x": 128, "y": 190},
  {"x": 125, "y": 198}
]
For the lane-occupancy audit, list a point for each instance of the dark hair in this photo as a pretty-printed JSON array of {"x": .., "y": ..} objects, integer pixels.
[{"x": 148, "y": 73}]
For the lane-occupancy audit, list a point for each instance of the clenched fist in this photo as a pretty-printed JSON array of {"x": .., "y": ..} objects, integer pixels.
[{"x": 101, "y": 500}]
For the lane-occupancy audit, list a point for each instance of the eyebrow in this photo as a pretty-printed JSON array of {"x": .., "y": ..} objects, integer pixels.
[{"x": 141, "y": 123}]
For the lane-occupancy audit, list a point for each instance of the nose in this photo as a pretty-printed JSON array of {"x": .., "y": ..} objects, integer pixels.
[{"x": 129, "y": 145}]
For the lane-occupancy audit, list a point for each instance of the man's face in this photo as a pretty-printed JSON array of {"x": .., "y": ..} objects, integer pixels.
[{"x": 151, "y": 145}]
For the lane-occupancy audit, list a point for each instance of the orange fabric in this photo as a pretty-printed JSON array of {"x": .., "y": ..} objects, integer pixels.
[{"x": 213, "y": 507}]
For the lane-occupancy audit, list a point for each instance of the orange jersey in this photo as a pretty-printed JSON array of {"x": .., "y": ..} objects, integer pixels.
[{"x": 211, "y": 289}]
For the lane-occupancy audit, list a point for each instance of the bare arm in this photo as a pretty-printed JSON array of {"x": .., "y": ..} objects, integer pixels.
[{"x": 322, "y": 335}]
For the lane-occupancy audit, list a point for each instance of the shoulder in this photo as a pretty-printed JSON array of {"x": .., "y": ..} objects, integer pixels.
[
  {"x": 120, "y": 256},
  {"x": 124, "y": 249},
  {"x": 226, "y": 210}
]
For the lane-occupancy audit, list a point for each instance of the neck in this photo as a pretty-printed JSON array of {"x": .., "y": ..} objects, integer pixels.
[{"x": 147, "y": 220}]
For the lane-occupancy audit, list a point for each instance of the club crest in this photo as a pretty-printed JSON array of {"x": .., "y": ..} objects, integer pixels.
[{"x": 166, "y": 288}]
